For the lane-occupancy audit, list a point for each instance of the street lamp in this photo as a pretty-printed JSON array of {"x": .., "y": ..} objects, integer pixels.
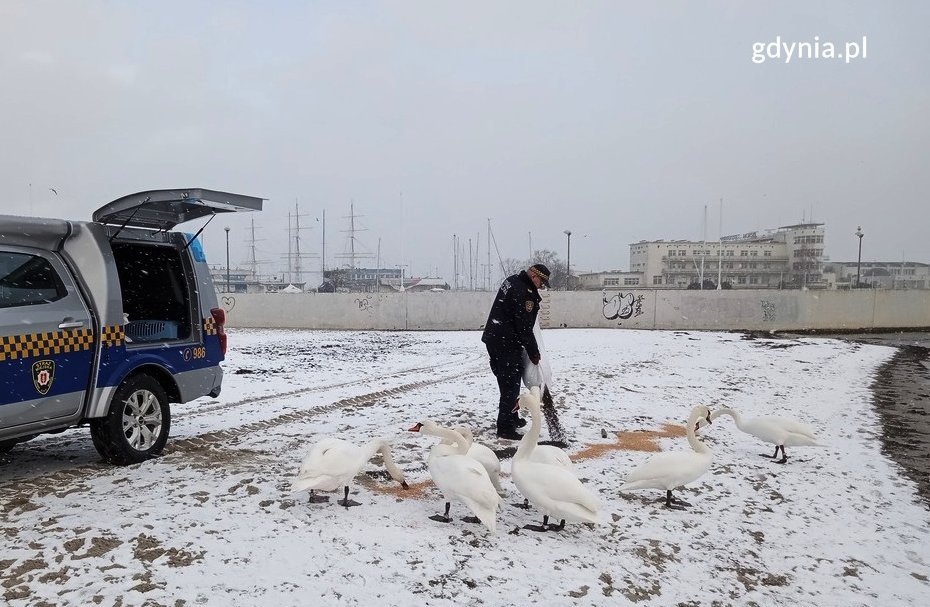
[
  {"x": 568, "y": 262},
  {"x": 227, "y": 258},
  {"x": 859, "y": 262}
]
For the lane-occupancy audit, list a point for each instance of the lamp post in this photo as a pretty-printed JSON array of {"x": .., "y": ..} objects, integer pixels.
[
  {"x": 227, "y": 258},
  {"x": 568, "y": 262},
  {"x": 860, "y": 234}
]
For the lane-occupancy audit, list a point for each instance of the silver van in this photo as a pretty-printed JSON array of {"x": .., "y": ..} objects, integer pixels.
[{"x": 106, "y": 322}]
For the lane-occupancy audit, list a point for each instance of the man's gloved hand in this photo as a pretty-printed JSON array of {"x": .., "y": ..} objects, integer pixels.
[{"x": 534, "y": 358}]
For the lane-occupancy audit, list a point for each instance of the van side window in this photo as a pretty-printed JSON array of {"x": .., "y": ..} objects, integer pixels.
[{"x": 27, "y": 280}]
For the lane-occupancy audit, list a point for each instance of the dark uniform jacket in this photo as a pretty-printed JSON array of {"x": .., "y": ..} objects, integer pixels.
[{"x": 513, "y": 314}]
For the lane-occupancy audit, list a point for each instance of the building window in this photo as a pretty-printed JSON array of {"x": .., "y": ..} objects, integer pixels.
[
  {"x": 741, "y": 280},
  {"x": 753, "y": 280},
  {"x": 657, "y": 280},
  {"x": 767, "y": 253},
  {"x": 731, "y": 253},
  {"x": 611, "y": 282},
  {"x": 672, "y": 253},
  {"x": 630, "y": 281},
  {"x": 754, "y": 253},
  {"x": 682, "y": 253},
  {"x": 744, "y": 253}
]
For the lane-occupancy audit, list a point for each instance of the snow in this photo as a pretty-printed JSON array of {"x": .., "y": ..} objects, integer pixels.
[{"x": 212, "y": 522}]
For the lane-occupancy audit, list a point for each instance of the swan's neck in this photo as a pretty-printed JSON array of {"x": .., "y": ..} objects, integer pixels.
[
  {"x": 449, "y": 436},
  {"x": 692, "y": 438},
  {"x": 531, "y": 438},
  {"x": 385, "y": 449},
  {"x": 734, "y": 414}
]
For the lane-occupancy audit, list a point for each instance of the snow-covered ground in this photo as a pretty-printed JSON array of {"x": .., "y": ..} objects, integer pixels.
[{"x": 212, "y": 522}]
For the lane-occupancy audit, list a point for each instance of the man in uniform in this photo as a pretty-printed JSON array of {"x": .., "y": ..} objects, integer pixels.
[{"x": 509, "y": 331}]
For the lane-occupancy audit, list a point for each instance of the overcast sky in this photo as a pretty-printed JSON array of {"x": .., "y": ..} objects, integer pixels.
[{"x": 617, "y": 120}]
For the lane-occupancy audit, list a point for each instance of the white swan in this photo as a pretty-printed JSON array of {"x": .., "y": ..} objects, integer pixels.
[
  {"x": 672, "y": 470},
  {"x": 483, "y": 455},
  {"x": 554, "y": 489},
  {"x": 333, "y": 463},
  {"x": 459, "y": 477},
  {"x": 775, "y": 430}
]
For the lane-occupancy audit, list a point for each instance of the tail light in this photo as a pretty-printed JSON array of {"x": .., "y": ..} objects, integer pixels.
[{"x": 219, "y": 316}]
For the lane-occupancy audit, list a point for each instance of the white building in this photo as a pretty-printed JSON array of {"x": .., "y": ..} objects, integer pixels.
[
  {"x": 879, "y": 274},
  {"x": 787, "y": 257}
]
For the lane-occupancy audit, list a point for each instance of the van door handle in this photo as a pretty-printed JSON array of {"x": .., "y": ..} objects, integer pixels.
[{"x": 70, "y": 324}]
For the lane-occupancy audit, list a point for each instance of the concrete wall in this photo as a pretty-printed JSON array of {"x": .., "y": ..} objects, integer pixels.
[{"x": 768, "y": 310}]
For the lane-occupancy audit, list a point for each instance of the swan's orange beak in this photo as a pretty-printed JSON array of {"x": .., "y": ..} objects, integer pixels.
[{"x": 415, "y": 429}]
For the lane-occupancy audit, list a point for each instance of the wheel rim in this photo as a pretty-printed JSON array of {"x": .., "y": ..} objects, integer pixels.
[{"x": 142, "y": 420}]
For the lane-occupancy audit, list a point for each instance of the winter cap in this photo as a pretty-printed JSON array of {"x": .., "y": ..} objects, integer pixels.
[{"x": 541, "y": 271}]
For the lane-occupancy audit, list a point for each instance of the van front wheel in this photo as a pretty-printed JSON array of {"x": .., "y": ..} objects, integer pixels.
[{"x": 137, "y": 424}]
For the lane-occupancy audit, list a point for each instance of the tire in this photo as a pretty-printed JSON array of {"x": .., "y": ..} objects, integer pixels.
[{"x": 136, "y": 426}]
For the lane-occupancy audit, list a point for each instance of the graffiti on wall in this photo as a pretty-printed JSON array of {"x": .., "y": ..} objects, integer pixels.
[
  {"x": 768, "y": 311},
  {"x": 623, "y": 306},
  {"x": 364, "y": 303},
  {"x": 229, "y": 303}
]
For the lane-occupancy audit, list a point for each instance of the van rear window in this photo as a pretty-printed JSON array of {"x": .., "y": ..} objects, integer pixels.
[{"x": 27, "y": 280}]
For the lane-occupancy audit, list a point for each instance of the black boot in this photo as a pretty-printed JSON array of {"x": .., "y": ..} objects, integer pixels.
[{"x": 508, "y": 432}]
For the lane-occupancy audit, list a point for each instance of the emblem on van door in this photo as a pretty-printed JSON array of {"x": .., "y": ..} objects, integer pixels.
[{"x": 43, "y": 374}]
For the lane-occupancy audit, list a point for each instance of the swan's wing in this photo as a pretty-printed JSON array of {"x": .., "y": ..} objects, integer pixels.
[
  {"x": 794, "y": 427},
  {"x": 548, "y": 454},
  {"x": 563, "y": 486},
  {"x": 332, "y": 457},
  {"x": 662, "y": 465}
]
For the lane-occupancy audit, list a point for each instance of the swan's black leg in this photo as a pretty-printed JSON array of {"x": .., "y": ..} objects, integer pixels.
[
  {"x": 525, "y": 505},
  {"x": 558, "y": 527},
  {"x": 443, "y": 518},
  {"x": 543, "y": 527},
  {"x": 674, "y": 504},
  {"x": 345, "y": 501},
  {"x": 784, "y": 456},
  {"x": 316, "y": 499},
  {"x": 771, "y": 456}
]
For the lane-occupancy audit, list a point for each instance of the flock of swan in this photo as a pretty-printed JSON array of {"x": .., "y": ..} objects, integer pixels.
[{"x": 467, "y": 472}]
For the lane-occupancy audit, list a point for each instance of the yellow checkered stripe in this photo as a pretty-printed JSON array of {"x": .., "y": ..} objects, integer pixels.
[
  {"x": 29, "y": 345},
  {"x": 209, "y": 326},
  {"x": 113, "y": 335}
]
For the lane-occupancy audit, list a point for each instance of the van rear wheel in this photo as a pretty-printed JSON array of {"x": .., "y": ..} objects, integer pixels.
[{"x": 137, "y": 424}]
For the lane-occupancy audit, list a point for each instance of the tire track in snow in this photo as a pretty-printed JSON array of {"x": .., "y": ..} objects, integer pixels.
[
  {"x": 201, "y": 411},
  {"x": 17, "y": 492}
]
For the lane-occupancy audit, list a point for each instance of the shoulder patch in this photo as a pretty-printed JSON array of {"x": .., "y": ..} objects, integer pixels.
[{"x": 530, "y": 304}]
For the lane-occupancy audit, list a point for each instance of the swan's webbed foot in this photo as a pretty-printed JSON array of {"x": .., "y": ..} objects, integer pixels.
[
  {"x": 783, "y": 460},
  {"x": 345, "y": 501},
  {"x": 771, "y": 456},
  {"x": 443, "y": 518},
  {"x": 525, "y": 505},
  {"x": 472, "y": 519},
  {"x": 673, "y": 503},
  {"x": 544, "y": 527},
  {"x": 317, "y": 499},
  {"x": 558, "y": 527}
]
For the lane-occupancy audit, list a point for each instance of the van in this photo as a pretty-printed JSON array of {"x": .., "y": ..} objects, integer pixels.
[{"x": 105, "y": 323}]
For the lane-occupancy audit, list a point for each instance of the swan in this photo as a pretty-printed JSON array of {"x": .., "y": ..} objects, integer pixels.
[
  {"x": 672, "y": 470},
  {"x": 483, "y": 455},
  {"x": 332, "y": 463},
  {"x": 459, "y": 477},
  {"x": 553, "y": 488},
  {"x": 775, "y": 430}
]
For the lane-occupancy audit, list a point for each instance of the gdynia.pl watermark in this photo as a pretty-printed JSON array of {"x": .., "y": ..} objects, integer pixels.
[{"x": 780, "y": 50}]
